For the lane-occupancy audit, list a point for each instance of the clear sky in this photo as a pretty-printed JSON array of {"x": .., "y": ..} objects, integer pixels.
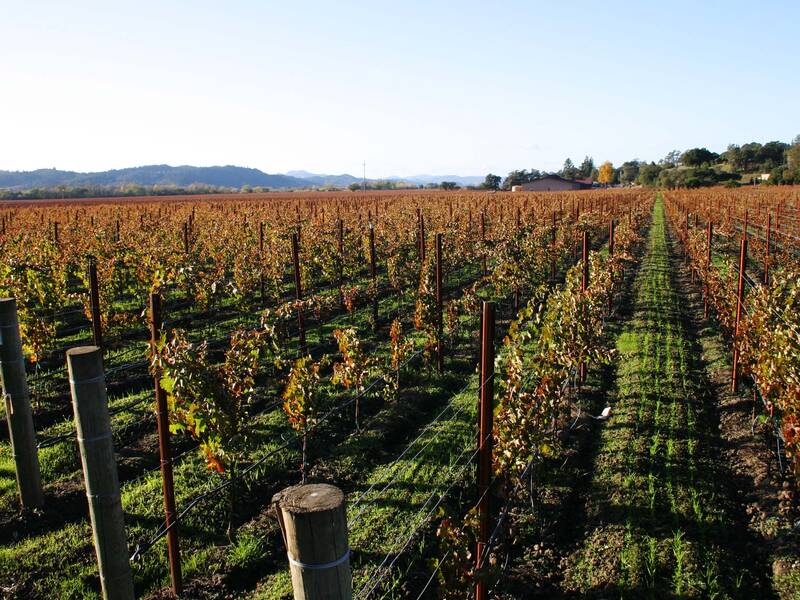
[{"x": 409, "y": 87}]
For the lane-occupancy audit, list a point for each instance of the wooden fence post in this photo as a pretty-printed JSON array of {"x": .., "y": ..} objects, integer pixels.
[
  {"x": 485, "y": 441},
  {"x": 314, "y": 527},
  {"x": 93, "y": 428},
  {"x": 165, "y": 452},
  {"x": 439, "y": 323},
  {"x": 739, "y": 305},
  {"x": 94, "y": 303},
  {"x": 298, "y": 288},
  {"x": 18, "y": 408}
]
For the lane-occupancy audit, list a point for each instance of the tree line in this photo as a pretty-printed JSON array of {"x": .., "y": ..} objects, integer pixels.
[{"x": 773, "y": 163}]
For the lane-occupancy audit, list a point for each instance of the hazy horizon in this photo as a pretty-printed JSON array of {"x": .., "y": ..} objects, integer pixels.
[{"x": 411, "y": 89}]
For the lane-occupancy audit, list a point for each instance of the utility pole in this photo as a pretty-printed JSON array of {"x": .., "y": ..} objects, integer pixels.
[{"x": 364, "y": 180}]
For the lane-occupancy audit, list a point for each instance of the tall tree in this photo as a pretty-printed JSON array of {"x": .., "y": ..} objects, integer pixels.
[
  {"x": 629, "y": 171},
  {"x": 586, "y": 168},
  {"x": 607, "y": 173},
  {"x": 648, "y": 174},
  {"x": 492, "y": 182},
  {"x": 569, "y": 171},
  {"x": 793, "y": 157},
  {"x": 695, "y": 157},
  {"x": 671, "y": 159}
]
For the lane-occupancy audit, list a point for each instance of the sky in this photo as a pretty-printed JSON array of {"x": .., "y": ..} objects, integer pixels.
[{"x": 461, "y": 88}]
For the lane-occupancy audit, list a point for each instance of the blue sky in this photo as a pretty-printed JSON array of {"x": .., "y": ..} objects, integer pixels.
[{"x": 411, "y": 87}]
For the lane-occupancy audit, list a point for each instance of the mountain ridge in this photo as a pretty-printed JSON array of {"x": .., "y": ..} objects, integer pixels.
[{"x": 227, "y": 176}]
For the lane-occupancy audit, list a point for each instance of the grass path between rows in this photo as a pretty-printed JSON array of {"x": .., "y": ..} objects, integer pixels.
[{"x": 660, "y": 517}]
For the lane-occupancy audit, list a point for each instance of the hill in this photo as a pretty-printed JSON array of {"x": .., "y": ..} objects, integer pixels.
[{"x": 222, "y": 176}]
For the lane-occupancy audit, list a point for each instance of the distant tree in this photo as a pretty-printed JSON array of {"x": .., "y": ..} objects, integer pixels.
[
  {"x": 492, "y": 182},
  {"x": 792, "y": 171},
  {"x": 569, "y": 170},
  {"x": 448, "y": 185},
  {"x": 733, "y": 156},
  {"x": 772, "y": 155},
  {"x": 586, "y": 168},
  {"x": 648, "y": 174},
  {"x": 606, "y": 175},
  {"x": 749, "y": 155},
  {"x": 432, "y": 186},
  {"x": 520, "y": 177},
  {"x": 354, "y": 187},
  {"x": 695, "y": 157},
  {"x": 671, "y": 159},
  {"x": 629, "y": 171}
]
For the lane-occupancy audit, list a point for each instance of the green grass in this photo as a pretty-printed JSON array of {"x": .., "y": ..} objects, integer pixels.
[
  {"x": 656, "y": 527},
  {"x": 58, "y": 555}
]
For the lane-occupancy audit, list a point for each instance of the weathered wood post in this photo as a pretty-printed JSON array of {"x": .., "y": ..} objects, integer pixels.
[
  {"x": 739, "y": 306},
  {"x": 93, "y": 428},
  {"x": 439, "y": 320},
  {"x": 18, "y": 408},
  {"x": 485, "y": 442},
  {"x": 165, "y": 453},
  {"x": 314, "y": 527},
  {"x": 94, "y": 303}
]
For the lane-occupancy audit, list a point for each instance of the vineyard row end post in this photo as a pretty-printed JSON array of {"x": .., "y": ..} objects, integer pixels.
[
  {"x": 313, "y": 524},
  {"x": 18, "y": 408},
  {"x": 93, "y": 428}
]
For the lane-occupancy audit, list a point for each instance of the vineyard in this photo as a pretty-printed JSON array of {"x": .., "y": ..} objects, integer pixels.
[{"x": 553, "y": 395}]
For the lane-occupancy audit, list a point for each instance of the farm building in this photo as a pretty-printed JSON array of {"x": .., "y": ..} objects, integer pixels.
[{"x": 553, "y": 183}]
